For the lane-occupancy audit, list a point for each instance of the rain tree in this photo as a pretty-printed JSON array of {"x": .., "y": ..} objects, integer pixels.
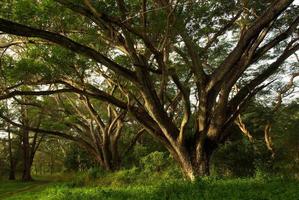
[{"x": 175, "y": 64}]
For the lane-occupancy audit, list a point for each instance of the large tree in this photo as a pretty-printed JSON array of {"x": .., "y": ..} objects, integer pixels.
[
  {"x": 95, "y": 126},
  {"x": 175, "y": 63}
]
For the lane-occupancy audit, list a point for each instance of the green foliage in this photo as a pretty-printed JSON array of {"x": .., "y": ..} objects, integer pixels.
[
  {"x": 78, "y": 159},
  {"x": 284, "y": 136},
  {"x": 234, "y": 159},
  {"x": 95, "y": 172},
  {"x": 145, "y": 146},
  {"x": 152, "y": 167},
  {"x": 123, "y": 177},
  {"x": 154, "y": 162},
  {"x": 27, "y": 69},
  {"x": 243, "y": 159}
]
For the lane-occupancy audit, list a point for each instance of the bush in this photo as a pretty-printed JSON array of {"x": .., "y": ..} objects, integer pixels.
[
  {"x": 96, "y": 172},
  {"x": 154, "y": 162},
  {"x": 78, "y": 181},
  {"x": 234, "y": 159},
  {"x": 125, "y": 176},
  {"x": 77, "y": 159}
]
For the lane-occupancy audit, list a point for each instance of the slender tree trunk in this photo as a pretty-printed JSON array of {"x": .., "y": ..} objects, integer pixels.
[
  {"x": 114, "y": 139},
  {"x": 27, "y": 161},
  {"x": 12, "y": 172},
  {"x": 12, "y": 167}
]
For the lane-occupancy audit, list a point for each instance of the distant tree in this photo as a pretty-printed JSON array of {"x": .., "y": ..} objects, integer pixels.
[
  {"x": 98, "y": 132},
  {"x": 29, "y": 141}
]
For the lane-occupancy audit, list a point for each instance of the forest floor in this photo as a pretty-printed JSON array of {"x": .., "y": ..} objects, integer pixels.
[
  {"x": 18, "y": 188},
  {"x": 121, "y": 189}
]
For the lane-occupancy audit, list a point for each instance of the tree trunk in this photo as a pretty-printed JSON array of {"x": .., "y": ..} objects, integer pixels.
[
  {"x": 203, "y": 159},
  {"x": 12, "y": 167},
  {"x": 26, "y": 157},
  {"x": 116, "y": 160},
  {"x": 202, "y": 166},
  {"x": 187, "y": 168},
  {"x": 12, "y": 172},
  {"x": 195, "y": 162},
  {"x": 106, "y": 153},
  {"x": 27, "y": 172},
  {"x": 193, "y": 168}
]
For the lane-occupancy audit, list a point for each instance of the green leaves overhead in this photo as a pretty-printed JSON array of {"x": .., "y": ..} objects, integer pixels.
[
  {"x": 46, "y": 14},
  {"x": 28, "y": 69}
]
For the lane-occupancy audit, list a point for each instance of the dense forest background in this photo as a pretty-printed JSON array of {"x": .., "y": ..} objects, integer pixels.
[{"x": 238, "y": 157}]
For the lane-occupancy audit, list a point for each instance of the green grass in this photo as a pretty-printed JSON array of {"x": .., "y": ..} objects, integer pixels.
[
  {"x": 30, "y": 190},
  {"x": 10, "y": 188},
  {"x": 159, "y": 189}
]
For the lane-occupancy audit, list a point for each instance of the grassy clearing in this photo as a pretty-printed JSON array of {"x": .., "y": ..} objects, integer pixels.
[
  {"x": 204, "y": 189},
  {"x": 11, "y": 188},
  {"x": 30, "y": 190}
]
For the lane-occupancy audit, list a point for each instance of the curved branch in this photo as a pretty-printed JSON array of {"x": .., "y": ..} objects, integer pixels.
[
  {"x": 261, "y": 51},
  {"x": 33, "y": 93},
  {"x": 247, "y": 89},
  {"x": 272, "y": 13},
  {"x": 26, "y": 31},
  {"x": 39, "y": 130}
]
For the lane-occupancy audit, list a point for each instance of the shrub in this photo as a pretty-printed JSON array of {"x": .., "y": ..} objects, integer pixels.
[
  {"x": 77, "y": 159},
  {"x": 154, "y": 162},
  {"x": 95, "y": 172}
]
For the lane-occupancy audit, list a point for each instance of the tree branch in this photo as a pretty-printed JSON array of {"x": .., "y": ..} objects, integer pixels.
[
  {"x": 262, "y": 77},
  {"x": 26, "y": 31},
  {"x": 274, "y": 10}
]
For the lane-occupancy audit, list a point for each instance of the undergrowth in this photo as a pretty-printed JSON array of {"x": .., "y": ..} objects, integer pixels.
[
  {"x": 161, "y": 181},
  {"x": 113, "y": 187}
]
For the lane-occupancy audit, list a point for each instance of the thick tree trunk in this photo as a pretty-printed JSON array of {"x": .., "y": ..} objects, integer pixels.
[
  {"x": 110, "y": 153},
  {"x": 187, "y": 169},
  {"x": 192, "y": 168},
  {"x": 202, "y": 161},
  {"x": 195, "y": 162},
  {"x": 201, "y": 166},
  {"x": 27, "y": 172}
]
